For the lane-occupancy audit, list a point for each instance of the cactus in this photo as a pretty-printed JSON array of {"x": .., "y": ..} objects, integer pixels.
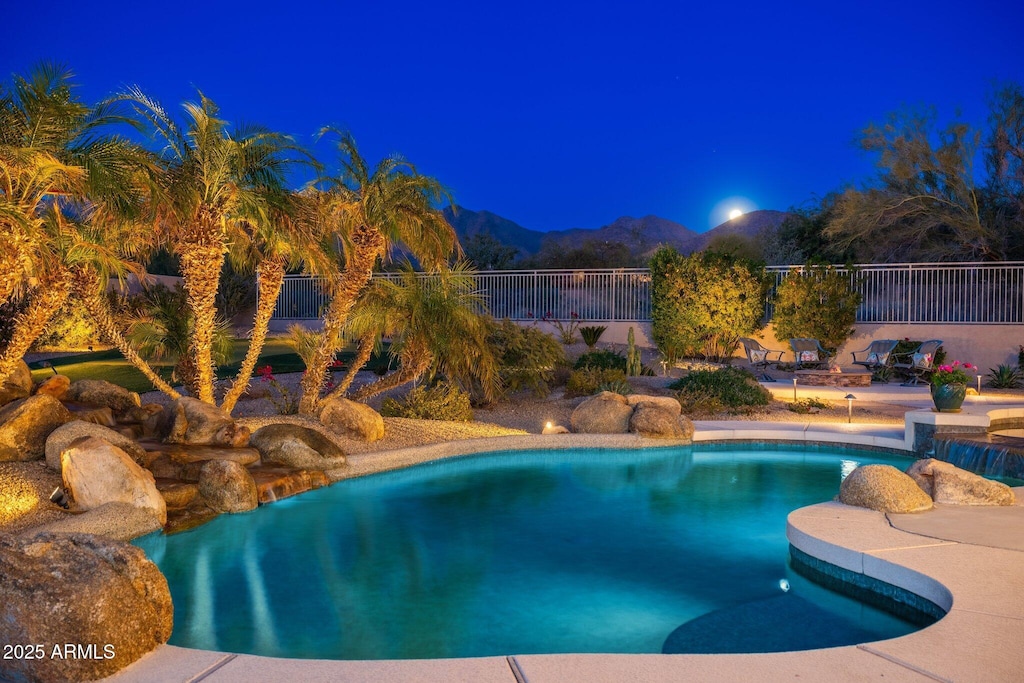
[{"x": 633, "y": 365}]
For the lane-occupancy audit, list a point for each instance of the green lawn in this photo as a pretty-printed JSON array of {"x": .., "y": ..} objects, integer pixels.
[{"x": 111, "y": 366}]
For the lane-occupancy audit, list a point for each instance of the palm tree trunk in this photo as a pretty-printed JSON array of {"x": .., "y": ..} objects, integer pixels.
[
  {"x": 368, "y": 245},
  {"x": 87, "y": 289},
  {"x": 413, "y": 366},
  {"x": 270, "y": 276},
  {"x": 363, "y": 354},
  {"x": 45, "y": 302},
  {"x": 202, "y": 258}
]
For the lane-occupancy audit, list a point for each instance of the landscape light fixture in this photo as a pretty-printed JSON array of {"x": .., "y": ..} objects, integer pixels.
[
  {"x": 979, "y": 385},
  {"x": 48, "y": 364},
  {"x": 794, "y": 390},
  {"x": 850, "y": 398},
  {"x": 58, "y": 497}
]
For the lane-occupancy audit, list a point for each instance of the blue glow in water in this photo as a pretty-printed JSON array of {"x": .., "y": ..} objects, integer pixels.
[{"x": 515, "y": 553}]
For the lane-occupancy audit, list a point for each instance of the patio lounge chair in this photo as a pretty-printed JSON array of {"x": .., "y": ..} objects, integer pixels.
[
  {"x": 917, "y": 364},
  {"x": 809, "y": 353},
  {"x": 760, "y": 358},
  {"x": 876, "y": 356}
]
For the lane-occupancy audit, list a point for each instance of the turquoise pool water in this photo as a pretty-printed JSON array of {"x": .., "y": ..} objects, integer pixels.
[{"x": 635, "y": 551}]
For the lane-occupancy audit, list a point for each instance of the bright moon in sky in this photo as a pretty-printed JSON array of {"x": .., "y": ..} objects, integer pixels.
[{"x": 735, "y": 213}]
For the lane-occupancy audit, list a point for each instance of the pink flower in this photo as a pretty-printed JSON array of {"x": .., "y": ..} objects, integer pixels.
[{"x": 266, "y": 373}]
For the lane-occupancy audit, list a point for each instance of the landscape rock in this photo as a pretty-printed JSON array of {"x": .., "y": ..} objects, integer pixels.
[
  {"x": 17, "y": 385},
  {"x": 100, "y": 416},
  {"x": 62, "y": 437},
  {"x": 55, "y": 385},
  {"x": 653, "y": 421},
  {"x": 81, "y": 589},
  {"x": 664, "y": 402},
  {"x": 605, "y": 413},
  {"x": 883, "y": 488},
  {"x": 352, "y": 419},
  {"x": 142, "y": 413},
  {"x": 100, "y": 392},
  {"x": 191, "y": 421},
  {"x": 95, "y": 473},
  {"x": 177, "y": 494},
  {"x": 296, "y": 446},
  {"x": 948, "y": 484},
  {"x": 25, "y": 424},
  {"x": 227, "y": 486}
]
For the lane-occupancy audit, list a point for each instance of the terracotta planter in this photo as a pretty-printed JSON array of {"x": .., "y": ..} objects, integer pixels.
[{"x": 948, "y": 397}]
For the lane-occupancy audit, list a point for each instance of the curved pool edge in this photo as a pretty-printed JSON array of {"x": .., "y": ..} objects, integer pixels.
[{"x": 980, "y": 586}]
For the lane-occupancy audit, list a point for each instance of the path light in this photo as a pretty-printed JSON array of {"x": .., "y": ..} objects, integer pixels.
[
  {"x": 794, "y": 390},
  {"x": 850, "y": 398},
  {"x": 551, "y": 428},
  {"x": 979, "y": 385}
]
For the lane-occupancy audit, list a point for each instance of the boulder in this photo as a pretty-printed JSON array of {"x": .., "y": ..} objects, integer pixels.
[
  {"x": 25, "y": 424},
  {"x": 100, "y": 597},
  {"x": 664, "y": 402},
  {"x": 100, "y": 392},
  {"x": 352, "y": 419},
  {"x": 227, "y": 486},
  {"x": 17, "y": 385},
  {"x": 142, "y": 413},
  {"x": 653, "y": 421},
  {"x": 883, "y": 488},
  {"x": 60, "y": 438},
  {"x": 191, "y": 421},
  {"x": 296, "y": 446},
  {"x": 101, "y": 416},
  {"x": 95, "y": 473},
  {"x": 946, "y": 483},
  {"x": 55, "y": 385},
  {"x": 605, "y": 413}
]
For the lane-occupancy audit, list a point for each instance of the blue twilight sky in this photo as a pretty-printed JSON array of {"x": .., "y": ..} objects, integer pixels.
[{"x": 556, "y": 114}]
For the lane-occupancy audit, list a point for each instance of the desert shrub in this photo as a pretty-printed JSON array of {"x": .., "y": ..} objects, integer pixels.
[
  {"x": 616, "y": 386},
  {"x": 703, "y": 303},
  {"x": 731, "y": 388},
  {"x": 1004, "y": 377},
  {"x": 443, "y": 401},
  {"x": 528, "y": 357},
  {"x": 591, "y": 334},
  {"x": 601, "y": 360},
  {"x": 69, "y": 328},
  {"x": 587, "y": 381},
  {"x": 818, "y": 302},
  {"x": 805, "y": 406}
]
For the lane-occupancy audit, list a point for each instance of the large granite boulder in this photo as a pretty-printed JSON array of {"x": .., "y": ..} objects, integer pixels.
[
  {"x": 664, "y": 402},
  {"x": 25, "y": 424},
  {"x": 296, "y": 446},
  {"x": 55, "y": 385},
  {"x": 654, "y": 421},
  {"x": 100, "y": 392},
  {"x": 191, "y": 421},
  {"x": 352, "y": 419},
  {"x": 946, "y": 483},
  {"x": 95, "y": 473},
  {"x": 227, "y": 486},
  {"x": 100, "y": 598},
  {"x": 60, "y": 438},
  {"x": 17, "y": 385},
  {"x": 883, "y": 488},
  {"x": 605, "y": 413}
]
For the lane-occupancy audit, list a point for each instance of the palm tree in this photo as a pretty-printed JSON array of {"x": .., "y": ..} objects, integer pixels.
[
  {"x": 212, "y": 186},
  {"x": 367, "y": 213},
  {"x": 61, "y": 176},
  {"x": 436, "y": 326}
]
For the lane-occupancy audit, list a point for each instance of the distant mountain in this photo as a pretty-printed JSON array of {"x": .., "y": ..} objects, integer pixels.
[{"x": 642, "y": 235}]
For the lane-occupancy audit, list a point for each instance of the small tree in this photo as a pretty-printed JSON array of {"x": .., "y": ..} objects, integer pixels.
[
  {"x": 817, "y": 302},
  {"x": 703, "y": 303}
]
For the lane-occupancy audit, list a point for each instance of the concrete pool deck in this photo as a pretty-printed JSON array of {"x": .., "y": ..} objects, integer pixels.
[{"x": 969, "y": 561}]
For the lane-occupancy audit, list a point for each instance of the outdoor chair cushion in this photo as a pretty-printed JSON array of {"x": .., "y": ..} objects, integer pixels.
[
  {"x": 758, "y": 356},
  {"x": 922, "y": 360},
  {"x": 872, "y": 359},
  {"x": 808, "y": 356}
]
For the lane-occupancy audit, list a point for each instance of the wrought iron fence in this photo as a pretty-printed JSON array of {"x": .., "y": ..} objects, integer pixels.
[{"x": 894, "y": 293}]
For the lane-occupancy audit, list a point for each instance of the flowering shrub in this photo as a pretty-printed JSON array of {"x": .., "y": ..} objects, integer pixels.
[
  {"x": 955, "y": 373},
  {"x": 284, "y": 401},
  {"x": 567, "y": 333}
]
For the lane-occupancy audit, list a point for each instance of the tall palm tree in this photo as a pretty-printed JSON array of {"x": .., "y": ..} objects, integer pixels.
[
  {"x": 61, "y": 174},
  {"x": 367, "y": 213},
  {"x": 211, "y": 187},
  {"x": 436, "y": 324}
]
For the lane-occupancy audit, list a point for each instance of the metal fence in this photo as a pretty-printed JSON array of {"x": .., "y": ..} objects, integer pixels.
[{"x": 990, "y": 293}]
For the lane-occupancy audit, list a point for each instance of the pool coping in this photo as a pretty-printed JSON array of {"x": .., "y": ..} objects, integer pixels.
[{"x": 976, "y": 640}]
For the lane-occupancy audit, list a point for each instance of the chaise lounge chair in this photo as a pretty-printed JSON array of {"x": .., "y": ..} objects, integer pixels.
[
  {"x": 809, "y": 353},
  {"x": 917, "y": 364},
  {"x": 760, "y": 358}
]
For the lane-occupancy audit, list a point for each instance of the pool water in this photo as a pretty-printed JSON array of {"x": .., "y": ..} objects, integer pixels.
[{"x": 524, "y": 552}]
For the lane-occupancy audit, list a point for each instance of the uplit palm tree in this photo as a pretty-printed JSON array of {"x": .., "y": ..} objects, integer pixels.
[
  {"x": 212, "y": 186},
  {"x": 436, "y": 326},
  {"x": 368, "y": 212}
]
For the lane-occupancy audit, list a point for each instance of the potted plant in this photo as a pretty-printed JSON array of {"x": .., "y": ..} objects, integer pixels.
[{"x": 949, "y": 386}]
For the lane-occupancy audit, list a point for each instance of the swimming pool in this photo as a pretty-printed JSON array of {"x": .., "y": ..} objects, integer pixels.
[{"x": 631, "y": 551}]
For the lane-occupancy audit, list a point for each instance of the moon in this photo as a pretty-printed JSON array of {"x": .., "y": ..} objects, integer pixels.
[{"x": 735, "y": 213}]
